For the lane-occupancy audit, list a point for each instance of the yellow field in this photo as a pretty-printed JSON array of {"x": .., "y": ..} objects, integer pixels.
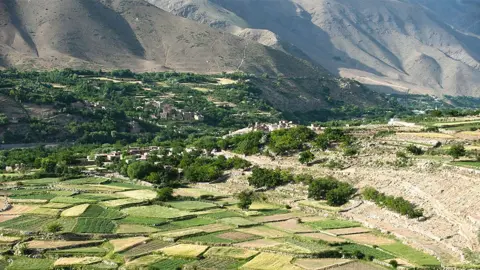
[
  {"x": 142, "y": 194},
  {"x": 40, "y": 244},
  {"x": 230, "y": 252},
  {"x": 76, "y": 261},
  {"x": 135, "y": 228},
  {"x": 184, "y": 250},
  {"x": 225, "y": 81},
  {"x": 28, "y": 201},
  {"x": 263, "y": 232},
  {"x": 320, "y": 263},
  {"x": 125, "y": 243},
  {"x": 75, "y": 211},
  {"x": 144, "y": 261},
  {"x": 369, "y": 239},
  {"x": 120, "y": 202},
  {"x": 9, "y": 239},
  {"x": 271, "y": 261}
]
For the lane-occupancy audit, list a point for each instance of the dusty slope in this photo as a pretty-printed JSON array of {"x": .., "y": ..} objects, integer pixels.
[
  {"x": 125, "y": 33},
  {"x": 401, "y": 45}
]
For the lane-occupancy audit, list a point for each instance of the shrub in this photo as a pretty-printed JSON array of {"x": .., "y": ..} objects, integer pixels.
[
  {"x": 165, "y": 194},
  {"x": 359, "y": 255},
  {"x": 283, "y": 141},
  {"x": 393, "y": 263},
  {"x": 306, "y": 157},
  {"x": 340, "y": 195},
  {"x": 350, "y": 151},
  {"x": 456, "y": 151},
  {"x": 415, "y": 150},
  {"x": 245, "y": 199},
  {"x": 53, "y": 227}
]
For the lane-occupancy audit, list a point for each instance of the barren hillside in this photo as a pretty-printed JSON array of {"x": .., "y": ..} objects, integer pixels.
[
  {"x": 406, "y": 45},
  {"x": 126, "y": 34}
]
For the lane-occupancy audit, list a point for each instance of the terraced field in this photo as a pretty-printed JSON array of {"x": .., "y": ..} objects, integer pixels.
[{"x": 120, "y": 228}]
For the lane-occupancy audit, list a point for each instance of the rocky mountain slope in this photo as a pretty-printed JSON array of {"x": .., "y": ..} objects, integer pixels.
[
  {"x": 405, "y": 45},
  {"x": 126, "y": 34}
]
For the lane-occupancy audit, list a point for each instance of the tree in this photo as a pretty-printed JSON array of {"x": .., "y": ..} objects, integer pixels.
[
  {"x": 340, "y": 195},
  {"x": 268, "y": 178},
  {"x": 319, "y": 188},
  {"x": 140, "y": 169},
  {"x": 456, "y": 151},
  {"x": 245, "y": 199},
  {"x": 48, "y": 165},
  {"x": 54, "y": 227},
  {"x": 306, "y": 157},
  {"x": 100, "y": 160},
  {"x": 165, "y": 194}
]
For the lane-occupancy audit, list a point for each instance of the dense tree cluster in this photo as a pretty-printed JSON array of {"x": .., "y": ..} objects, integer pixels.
[
  {"x": 268, "y": 178},
  {"x": 336, "y": 193}
]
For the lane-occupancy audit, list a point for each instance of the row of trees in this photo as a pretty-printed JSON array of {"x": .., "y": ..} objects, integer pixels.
[{"x": 396, "y": 204}]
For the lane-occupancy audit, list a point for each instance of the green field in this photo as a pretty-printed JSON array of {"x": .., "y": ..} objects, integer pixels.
[
  {"x": 71, "y": 200},
  {"x": 192, "y": 205},
  {"x": 35, "y": 196},
  {"x": 468, "y": 164},
  {"x": 329, "y": 224},
  {"x": 368, "y": 251},
  {"x": 94, "y": 225},
  {"x": 24, "y": 263},
  {"x": 181, "y": 224},
  {"x": 41, "y": 181},
  {"x": 155, "y": 211},
  {"x": 412, "y": 255},
  {"x": 27, "y": 223},
  {"x": 96, "y": 211},
  {"x": 169, "y": 264},
  {"x": 217, "y": 263},
  {"x": 85, "y": 251},
  {"x": 222, "y": 214},
  {"x": 218, "y": 238},
  {"x": 150, "y": 221},
  {"x": 146, "y": 248},
  {"x": 90, "y": 180}
]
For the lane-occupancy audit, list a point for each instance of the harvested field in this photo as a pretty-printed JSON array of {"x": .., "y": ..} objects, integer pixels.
[
  {"x": 191, "y": 192},
  {"x": 236, "y": 236},
  {"x": 324, "y": 237},
  {"x": 134, "y": 228},
  {"x": 426, "y": 135},
  {"x": 146, "y": 248},
  {"x": 75, "y": 211},
  {"x": 271, "y": 261},
  {"x": 370, "y": 239},
  {"x": 192, "y": 205},
  {"x": 214, "y": 228},
  {"x": 155, "y": 211},
  {"x": 18, "y": 209},
  {"x": 144, "y": 261},
  {"x": 8, "y": 239},
  {"x": 255, "y": 206},
  {"x": 348, "y": 231},
  {"x": 259, "y": 244},
  {"x": 184, "y": 250},
  {"x": 121, "y": 202},
  {"x": 57, "y": 205},
  {"x": 71, "y": 261},
  {"x": 215, "y": 263},
  {"x": 123, "y": 244},
  {"x": 359, "y": 266},
  {"x": 238, "y": 221},
  {"x": 230, "y": 252},
  {"x": 39, "y": 244},
  {"x": 263, "y": 231},
  {"x": 28, "y": 201},
  {"x": 177, "y": 234},
  {"x": 143, "y": 194},
  {"x": 274, "y": 218},
  {"x": 313, "y": 264},
  {"x": 291, "y": 226},
  {"x": 312, "y": 219}
]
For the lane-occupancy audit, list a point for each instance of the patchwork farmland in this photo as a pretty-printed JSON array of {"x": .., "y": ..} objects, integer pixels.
[{"x": 97, "y": 227}]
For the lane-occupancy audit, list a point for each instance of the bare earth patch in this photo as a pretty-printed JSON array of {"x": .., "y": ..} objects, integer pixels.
[
  {"x": 324, "y": 237},
  {"x": 18, "y": 209},
  {"x": 273, "y": 218},
  {"x": 126, "y": 243},
  {"x": 76, "y": 261},
  {"x": 5, "y": 218},
  {"x": 263, "y": 231},
  {"x": 369, "y": 239},
  {"x": 260, "y": 243},
  {"x": 184, "y": 250},
  {"x": 291, "y": 226},
  {"x": 314, "y": 264},
  {"x": 235, "y": 236}
]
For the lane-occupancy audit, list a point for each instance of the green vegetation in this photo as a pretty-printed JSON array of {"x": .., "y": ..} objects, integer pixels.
[
  {"x": 94, "y": 225},
  {"x": 245, "y": 199},
  {"x": 96, "y": 211},
  {"x": 85, "y": 251},
  {"x": 169, "y": 264},
  {"x": 456, "y": 151},
  {"x": 306, "y": 157},
  {"x": 191, "y": 205},
  {"x": 27, "y": 223},
  {"x": 411, "y": 254},
  {"x": 335, "y": 192},
  {"x": 396, "y": 204},
  {"x": 330, "y": 224},
  {"x": 351, "y": 249},
  {"x": 269, "y": 178},
  {"x": 25, "y": 263}
]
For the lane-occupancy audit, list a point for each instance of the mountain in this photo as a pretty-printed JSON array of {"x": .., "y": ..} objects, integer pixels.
[
  {"x": 418, "y": 46},
  {"x": 133, "y": 34}
]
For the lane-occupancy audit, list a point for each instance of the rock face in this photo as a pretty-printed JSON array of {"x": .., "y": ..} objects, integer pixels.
[{"x": 421, "y": 46}]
